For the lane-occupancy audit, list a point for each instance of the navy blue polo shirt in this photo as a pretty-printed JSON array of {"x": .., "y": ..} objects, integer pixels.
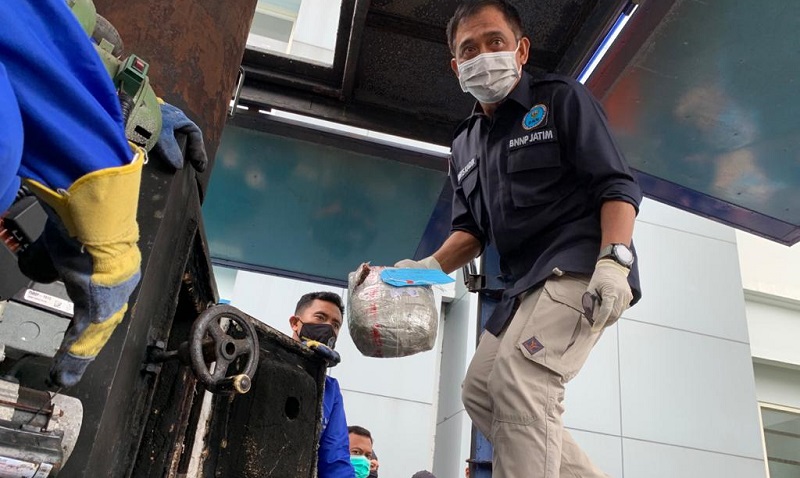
[{"x": 531, "y": 180}]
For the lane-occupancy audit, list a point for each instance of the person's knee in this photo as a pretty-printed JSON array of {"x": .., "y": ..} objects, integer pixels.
[
  {"x": 523, "y": 387},
  {"x": 471, "y": 392}
]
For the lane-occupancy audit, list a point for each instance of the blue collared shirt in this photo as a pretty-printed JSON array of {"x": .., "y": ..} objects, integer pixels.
[{"x": 334, "y": 443}]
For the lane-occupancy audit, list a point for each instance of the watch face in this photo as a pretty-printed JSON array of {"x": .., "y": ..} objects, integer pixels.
[{"x": 623, "y": 254}]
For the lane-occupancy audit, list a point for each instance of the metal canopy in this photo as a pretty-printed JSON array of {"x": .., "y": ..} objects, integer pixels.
[
  {"x": 391, "y": 74},
  {"x": 391, "y": 70}
]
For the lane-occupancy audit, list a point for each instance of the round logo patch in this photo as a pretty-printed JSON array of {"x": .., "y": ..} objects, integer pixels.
[{"x": 534, "y": 117}]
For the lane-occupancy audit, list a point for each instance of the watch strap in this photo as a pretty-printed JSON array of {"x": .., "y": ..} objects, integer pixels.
[
  {"x": 609, "y": 252},
  {"x": 606, "y": 251}
]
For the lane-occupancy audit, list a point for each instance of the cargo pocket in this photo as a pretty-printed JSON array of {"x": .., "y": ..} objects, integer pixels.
[
  {"x": 557, "y": 334},
  {"x": 534, "y": 174}
]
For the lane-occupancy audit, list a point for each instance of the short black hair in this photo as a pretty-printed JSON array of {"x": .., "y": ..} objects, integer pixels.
[
  {"x": 469, "y": 8},
  {"x": 309, "y": 298},
  {"x": 360, "y": 431}
]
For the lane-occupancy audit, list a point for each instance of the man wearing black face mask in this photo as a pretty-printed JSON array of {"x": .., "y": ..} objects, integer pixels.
[
  {"x": 536, "y": 173},
  {"x": 318, "y": 317}
]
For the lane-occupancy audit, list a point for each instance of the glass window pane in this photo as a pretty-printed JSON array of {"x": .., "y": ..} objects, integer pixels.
[
  {"x": 304, "y": 29},
  {"x": 315, "y": 210},
  {"x": 272, "y": 27},
  {"x": 782, "y": 438}
]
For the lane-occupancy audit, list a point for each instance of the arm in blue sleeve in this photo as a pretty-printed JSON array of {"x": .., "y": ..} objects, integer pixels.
[
  {"x": 334, "y": 444},
  {"x": 595, "y": 152},
  {"x": 70, "y": 111},
  {"x": 10, "y": 142}
]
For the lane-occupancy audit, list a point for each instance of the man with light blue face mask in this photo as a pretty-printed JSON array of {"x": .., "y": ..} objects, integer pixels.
[
  {"x": 536, "y": 173},
  {"x": 361, "y": 453}
]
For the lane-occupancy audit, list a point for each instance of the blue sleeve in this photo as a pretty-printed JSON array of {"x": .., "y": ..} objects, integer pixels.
[
  {"x": 70, "y": 111},
  {"x": 334, "y": 443},
  {"x": 10, "y": 142},
  {"x": 593, "y": 148}
]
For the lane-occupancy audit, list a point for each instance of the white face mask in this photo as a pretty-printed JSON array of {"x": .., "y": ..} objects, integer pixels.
[{"x": 490, "y": 77}]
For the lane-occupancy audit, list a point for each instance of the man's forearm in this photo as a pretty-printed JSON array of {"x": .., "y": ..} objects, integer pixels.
[
  {"x": 460, "y": 248},
  {"x": 616, "y": 222}
]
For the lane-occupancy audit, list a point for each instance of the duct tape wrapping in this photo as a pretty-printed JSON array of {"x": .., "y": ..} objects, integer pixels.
[{"x": 389, "y": 321}]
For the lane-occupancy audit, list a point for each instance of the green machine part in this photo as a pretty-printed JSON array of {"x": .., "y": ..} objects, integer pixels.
[
  {"x": 139, "y": 102},
  {"x": 86, "y": 14},
  {"x": 140, "y": 106}
]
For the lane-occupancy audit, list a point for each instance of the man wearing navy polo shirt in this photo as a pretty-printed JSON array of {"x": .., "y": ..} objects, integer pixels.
[{"x": 536, "y": 173}]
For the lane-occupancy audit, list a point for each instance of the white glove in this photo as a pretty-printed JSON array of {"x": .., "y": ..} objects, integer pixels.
[
  {"x": 608, "y": 294},
  {"x": 428, "y": 263}
]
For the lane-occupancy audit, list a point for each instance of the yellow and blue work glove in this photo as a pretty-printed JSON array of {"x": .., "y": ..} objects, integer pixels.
[
  {"x": 91, "y": 237},
  {"x": 58, "y": 102}
]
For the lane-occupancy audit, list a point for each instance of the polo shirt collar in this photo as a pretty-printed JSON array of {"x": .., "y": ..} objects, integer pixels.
[{"x": 521, "y": 94}]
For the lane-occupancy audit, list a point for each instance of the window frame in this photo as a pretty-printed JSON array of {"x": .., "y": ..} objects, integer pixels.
[
  {"x": 775, "y": 407},
  {"x": 268, "y": 66}
]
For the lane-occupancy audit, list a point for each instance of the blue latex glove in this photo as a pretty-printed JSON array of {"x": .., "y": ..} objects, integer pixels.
[{"x": 173, "y": 120}]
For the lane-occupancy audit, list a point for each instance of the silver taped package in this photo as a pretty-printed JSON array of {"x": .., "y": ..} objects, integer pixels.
[{"x": 389, "y": 321}]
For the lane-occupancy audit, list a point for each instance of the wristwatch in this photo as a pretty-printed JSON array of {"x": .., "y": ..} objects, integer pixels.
[{"x": 620, "y": 253}]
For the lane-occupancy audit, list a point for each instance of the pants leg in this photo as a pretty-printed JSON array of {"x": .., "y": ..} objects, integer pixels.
[
  {"x": 574, "y": 462},
  {"x": 543, "y": 348},
  {"x": 475, "y": 389}
]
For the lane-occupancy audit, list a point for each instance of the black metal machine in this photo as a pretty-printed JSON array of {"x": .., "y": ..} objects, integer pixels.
[{"x": 139, "y": 408}]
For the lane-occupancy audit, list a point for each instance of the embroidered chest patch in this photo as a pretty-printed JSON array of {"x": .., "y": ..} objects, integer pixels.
[
  {"x": 546, "y": 135},
  {"x": 534, "y": 118}
]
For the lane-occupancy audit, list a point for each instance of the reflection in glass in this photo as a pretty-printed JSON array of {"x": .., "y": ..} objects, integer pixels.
[
  {"x": 304, "y": 29},
  {"x": 782, "y": 438}
]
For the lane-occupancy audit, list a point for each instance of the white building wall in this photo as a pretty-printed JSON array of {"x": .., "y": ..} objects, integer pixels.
[
  {"x": 772, "y": 291},
  {"x": 769, "y": 268},
  {"x": 314, "y": 35},
  {"x": 778, "y": 385},
  {"x": 774, "y": 329}
]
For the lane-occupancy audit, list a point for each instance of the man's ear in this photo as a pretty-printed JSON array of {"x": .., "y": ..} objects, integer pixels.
[
  {"x": 295, "y": 324},
  {"x": 454, "y": 66},
  {"x": 524, "y": 50}
]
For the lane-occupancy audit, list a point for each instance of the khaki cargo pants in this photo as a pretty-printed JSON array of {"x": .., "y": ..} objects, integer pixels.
[{"x": 514, "y": 387}]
